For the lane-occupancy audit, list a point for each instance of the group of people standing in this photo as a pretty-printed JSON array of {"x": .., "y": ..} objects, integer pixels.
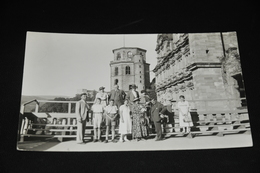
[{"x": 132, "y": 112}]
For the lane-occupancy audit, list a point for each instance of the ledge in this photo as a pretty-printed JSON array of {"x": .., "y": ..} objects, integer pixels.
[
  {"x": 196, "y": 65},
  {"x": 120, "y": 62}
]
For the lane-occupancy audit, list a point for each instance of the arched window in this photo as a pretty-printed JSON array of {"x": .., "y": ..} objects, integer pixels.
[
  {"x": 127, "y": 70},
  {"x": 118, "y": 56},
  {"x": 116, "y": 81},
  {"x": 116, "y": 71}
]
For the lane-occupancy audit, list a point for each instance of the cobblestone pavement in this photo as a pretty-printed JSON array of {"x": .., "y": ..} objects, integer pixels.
[{"x": 170, "y": 143}]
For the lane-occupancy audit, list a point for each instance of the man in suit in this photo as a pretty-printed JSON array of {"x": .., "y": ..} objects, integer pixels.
[
  {"x": 132, "y": 94},
  {"x": 156, "y": 117},
  {"x": 81, "y": 112},
  {"x": 118, "y": 96}
]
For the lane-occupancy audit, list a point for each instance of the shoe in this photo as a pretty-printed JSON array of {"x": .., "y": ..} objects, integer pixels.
[
  {"x": 99, "y": 140},
  {"x": 95, "y": 140},
  {"x": 81, "y": 143},
  {"x": 121, "y": 141},
  {"x": 126, "y": 140},
  {"x": 114, "y": 140},
  {"x": 106, "y": 141}
]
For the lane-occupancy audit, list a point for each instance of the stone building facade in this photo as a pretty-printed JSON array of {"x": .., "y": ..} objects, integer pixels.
[
  {"x": 129, "y": 67},
  {"x": 204, "y": 67}
]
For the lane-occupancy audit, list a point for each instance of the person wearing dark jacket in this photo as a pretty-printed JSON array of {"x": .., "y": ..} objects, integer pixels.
[
  {"x": 156, "y": 116},
  {"x": 167, "y": 111},
  {"x": 132, "y": 94}
]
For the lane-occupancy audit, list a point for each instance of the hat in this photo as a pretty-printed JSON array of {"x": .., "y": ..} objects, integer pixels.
[
  {"x": 143, "y": 91},
  {"x": 83, "y": 94},
  {"x": 172, "y": 100},
  {"x": 134, "y": 86},
  {"x": 136, "y": 99},
  {"x": 101, "y": 88}
]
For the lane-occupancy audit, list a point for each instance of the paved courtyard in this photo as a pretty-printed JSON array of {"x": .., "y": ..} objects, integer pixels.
[{"x": 170, "y": 143}]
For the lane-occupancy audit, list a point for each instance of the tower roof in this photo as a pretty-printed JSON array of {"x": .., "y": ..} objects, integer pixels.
[{"x": 129, "y": 48}]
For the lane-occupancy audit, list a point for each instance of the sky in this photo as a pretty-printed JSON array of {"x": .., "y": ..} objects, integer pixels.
[{"x": 60, "y": 64}]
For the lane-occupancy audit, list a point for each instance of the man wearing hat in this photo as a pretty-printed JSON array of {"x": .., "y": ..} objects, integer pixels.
[
  {"x": 132, "y": 94},
  {"x": 81, "y": 112},
  {"x": 103, "y": 96},
  {"x": 118, "y": 96},
  {"x": 156, "y": 116}
]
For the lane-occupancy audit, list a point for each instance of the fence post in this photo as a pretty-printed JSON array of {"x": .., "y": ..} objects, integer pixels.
[
  {"x": 69, "y": 109},
  {"x": 37, "y": 108},
  {"x": 21, "y": 125},
  {"x": 26, "y": 124},
  {"x": 63, "y": 122}
]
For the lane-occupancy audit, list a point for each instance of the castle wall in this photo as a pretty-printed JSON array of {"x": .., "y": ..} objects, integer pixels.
[
  {"x": 190, "y": 65},
  {"x": 199, "y": 43},
  {"x": 209, "y": 87}
]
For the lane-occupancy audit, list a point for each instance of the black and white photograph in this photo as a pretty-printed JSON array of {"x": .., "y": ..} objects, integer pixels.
[{"x": 132, "y": 92}]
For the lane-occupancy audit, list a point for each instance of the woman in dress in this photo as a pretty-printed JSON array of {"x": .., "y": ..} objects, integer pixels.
[
  {"x": 103, "y": 96},
  {"x": 139, "y": 129},
  {"x": 183, "y": 107},
  {"x": 125, "y": 125}
]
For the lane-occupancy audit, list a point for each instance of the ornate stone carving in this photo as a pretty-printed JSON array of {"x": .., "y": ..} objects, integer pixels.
[
  {"x": 167, "y": 66},
  {"x": 168, "y": 47},
  {"x": 231, "y": 66},
  {"x": 187, "y": 73},
  {"x": 182, "y": 49},
  {"x": 172, "y": 61},
  {"x": 182, "y": 87},
  {"x": 231, "y": 63},
  {"x": 190, "y": 85},
  {"x": 176, "y": 90}
]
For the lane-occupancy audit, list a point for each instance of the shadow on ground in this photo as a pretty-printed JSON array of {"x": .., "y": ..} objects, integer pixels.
[{"x": 37, "y": 145}]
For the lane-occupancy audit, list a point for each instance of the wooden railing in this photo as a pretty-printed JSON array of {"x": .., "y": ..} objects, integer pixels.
[
  {"x": 62, "y": 122},
  {"x": 63, "y": 125}
]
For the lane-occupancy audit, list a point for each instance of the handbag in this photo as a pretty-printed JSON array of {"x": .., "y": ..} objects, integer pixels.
[
  {"x": 143, "y": 120},
  {"x": 187, "y": 119}
]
